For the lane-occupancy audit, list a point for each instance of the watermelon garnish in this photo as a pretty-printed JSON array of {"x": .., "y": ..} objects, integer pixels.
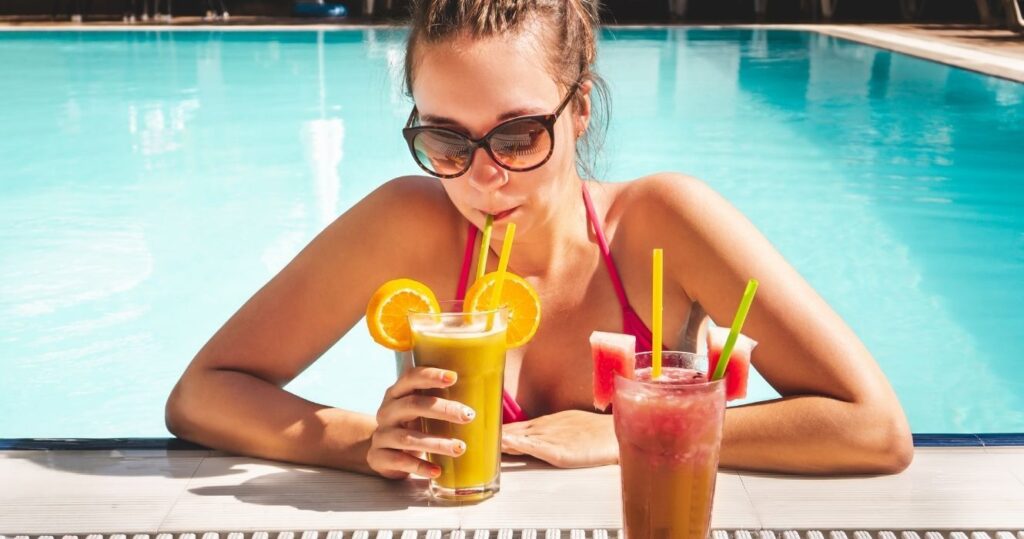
[
  {"x": 738, "y": 370},
  {"x": 613, "y": 353}
]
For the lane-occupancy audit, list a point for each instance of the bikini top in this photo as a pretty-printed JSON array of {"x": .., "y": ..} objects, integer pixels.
[{"x": 631, "y": 322}]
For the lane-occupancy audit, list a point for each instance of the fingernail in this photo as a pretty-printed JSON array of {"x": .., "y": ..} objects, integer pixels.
[
  {"x": 459, "y": 447},
  {"x": 435, "y": 471},
  {"x": 468, "y": 413},
  {"x": 449, "y": 377}
]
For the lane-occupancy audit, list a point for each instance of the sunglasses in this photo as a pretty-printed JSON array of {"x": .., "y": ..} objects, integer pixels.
[{"x": 519, "y": 145}]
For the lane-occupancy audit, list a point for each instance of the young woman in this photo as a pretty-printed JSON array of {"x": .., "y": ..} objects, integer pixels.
[{"x": 505, "y": 97}]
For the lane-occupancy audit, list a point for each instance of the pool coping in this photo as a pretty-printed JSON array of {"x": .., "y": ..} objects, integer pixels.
[
  {"x": 970, "y": 58},
  {"x": 954, "y": 492},
  {"x": 939, "y": 50},
  {"x": 1000, "y": 439}
]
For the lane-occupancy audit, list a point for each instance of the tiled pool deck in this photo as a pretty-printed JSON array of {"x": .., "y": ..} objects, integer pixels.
[
  {"x": 159, "y": 491},
  {"x": 970, "y": 492},
  {"x": 991, "y": 51}
]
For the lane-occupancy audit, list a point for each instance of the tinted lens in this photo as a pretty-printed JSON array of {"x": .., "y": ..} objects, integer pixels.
[
  {"x": 442, "y": 152},
  {"x": 521, "y": 144}
]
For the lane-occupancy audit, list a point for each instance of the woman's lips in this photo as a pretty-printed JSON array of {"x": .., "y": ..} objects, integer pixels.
[{"x": 501, "y": 215}]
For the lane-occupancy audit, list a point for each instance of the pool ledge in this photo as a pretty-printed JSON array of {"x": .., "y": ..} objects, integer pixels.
[
  {"x": 977, "y": 48},
  {"x": 188, "y": 489},
  {"x": 932, "y": 45}
]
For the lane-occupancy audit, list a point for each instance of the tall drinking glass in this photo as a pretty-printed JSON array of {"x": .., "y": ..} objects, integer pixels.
[
  {"x": 473, "y": 345},
  {"x": 669, "y": 432}
]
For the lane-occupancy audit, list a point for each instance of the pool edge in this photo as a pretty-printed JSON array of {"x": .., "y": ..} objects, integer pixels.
[{"x": 998, "y": 439}]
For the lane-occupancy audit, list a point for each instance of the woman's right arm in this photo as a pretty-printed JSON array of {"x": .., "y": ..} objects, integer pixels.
[{"x": 231, "y": 397}]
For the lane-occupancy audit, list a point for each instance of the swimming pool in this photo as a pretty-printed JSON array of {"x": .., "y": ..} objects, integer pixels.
[{"x": 153, "y": 180}]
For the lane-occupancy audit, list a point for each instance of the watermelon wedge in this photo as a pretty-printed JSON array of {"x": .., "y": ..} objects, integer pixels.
[
  {"x": 613, "y": 353},
  {"x": 738, "y": 369}
]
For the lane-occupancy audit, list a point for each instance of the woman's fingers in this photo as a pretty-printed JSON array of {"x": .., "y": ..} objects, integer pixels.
[
  {"x": 420, "y": 378},
  {"x": 396, "y": 464},
  {"x": 416, "y": 406},
  {"x": 393, "y": 453},
  {"x": 511, "y": 444},
  {"x": 418, "y": 442},
  {"x": 519, "y": 427}
]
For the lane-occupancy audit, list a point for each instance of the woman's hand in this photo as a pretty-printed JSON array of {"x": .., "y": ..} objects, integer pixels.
[
  {"x": 569, "y": 439},
  {"x": 397, "y": 447}
]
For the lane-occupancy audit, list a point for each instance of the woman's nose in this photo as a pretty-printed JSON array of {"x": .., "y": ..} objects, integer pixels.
[{"x": 484, "y": 174}]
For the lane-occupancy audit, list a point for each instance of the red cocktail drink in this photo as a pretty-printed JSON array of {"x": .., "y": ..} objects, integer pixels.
[{"x": 669, "y": 432}]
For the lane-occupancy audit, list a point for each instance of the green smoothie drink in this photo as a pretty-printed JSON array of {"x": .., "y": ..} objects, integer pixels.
[{"x": 473, "y": 346}]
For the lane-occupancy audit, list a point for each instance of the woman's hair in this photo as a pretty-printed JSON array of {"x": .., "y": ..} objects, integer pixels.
[{"x": 567, "y": 30}]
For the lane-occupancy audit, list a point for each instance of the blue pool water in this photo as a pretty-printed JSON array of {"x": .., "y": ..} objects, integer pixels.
[{"x": 150, "y": 182}]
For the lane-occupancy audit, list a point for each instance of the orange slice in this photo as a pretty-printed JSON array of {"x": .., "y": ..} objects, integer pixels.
[
  {"x": 387, "y": 314},
  {"x": 518, "y": 296}
]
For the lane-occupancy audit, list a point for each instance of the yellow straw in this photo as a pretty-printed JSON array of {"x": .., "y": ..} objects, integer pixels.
[
  {"x": 656, "y": 316},
  {"x": 485, "y": 246},
  {"x": 506, "y": 251}
]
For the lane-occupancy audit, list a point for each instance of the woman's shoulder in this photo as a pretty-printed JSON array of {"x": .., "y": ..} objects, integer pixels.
[
  {"x": 661, "y": 187},
  {"x": 409, "y": 199},
  {"x": 408, "y": 211},
  {"x": 411, "y": 193},
  {"x": 399, "y": 225},
  {"x": 662, "y": 195}
]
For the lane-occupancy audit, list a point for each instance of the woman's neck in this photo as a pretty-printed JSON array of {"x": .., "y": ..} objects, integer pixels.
[{"x": 557, "y": 245}]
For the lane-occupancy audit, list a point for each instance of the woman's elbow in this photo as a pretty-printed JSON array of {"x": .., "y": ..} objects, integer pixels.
[
  {"x": 177, "y": 415},
  {"x": 888, "y": 444},
  {"x": 901, "y": 449}
]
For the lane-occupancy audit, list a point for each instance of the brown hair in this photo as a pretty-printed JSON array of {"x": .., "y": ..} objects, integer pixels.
[{"x": 569, "y": 34}]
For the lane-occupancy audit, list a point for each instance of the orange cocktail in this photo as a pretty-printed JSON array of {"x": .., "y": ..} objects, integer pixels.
[{"x": 473, "y": 345}]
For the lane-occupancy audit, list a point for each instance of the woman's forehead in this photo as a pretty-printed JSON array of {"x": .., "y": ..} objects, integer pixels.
[{"x": 493, "y": 74}]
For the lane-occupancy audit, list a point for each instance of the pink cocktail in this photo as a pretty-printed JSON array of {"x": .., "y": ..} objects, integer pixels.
[{"x": 669, "y": 432}]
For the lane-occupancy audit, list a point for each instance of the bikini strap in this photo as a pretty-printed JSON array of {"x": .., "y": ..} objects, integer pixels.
[
  {"x": 467, "y": 263},
  {"x": 606, "y": 253}
]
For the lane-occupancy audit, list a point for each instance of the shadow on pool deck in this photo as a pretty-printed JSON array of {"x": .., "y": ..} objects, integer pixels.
[{"x": 313, "y": 489}]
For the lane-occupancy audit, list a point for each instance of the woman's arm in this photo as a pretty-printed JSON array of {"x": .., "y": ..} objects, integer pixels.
[
  {"x": 838, "y": 413},
  {"x": 231, "y": 395}
]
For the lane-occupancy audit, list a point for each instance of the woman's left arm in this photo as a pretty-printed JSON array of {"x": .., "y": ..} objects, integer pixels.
[{"x": 837, "y": 412}]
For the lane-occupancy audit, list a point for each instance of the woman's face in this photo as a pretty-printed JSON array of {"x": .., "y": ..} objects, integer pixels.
[{"x": 473, "y": 85}]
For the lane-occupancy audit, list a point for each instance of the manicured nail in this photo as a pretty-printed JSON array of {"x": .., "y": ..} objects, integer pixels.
[
  {"x": 459, "y": 447},
  {"x": 468, "y": 413},
  {"x": 449, "y": 377},
  {"x": 435, "y": 471}
]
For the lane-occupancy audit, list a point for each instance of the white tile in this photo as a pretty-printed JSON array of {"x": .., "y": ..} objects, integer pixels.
[
  {"x": 69, "y": 492},
  {"x": 940, "y": 490},
  {"x": 77, "y": 492},
  {"x": 244, "y": 494},
  {"x": 1004, "y": 449},
  {"x": 105, "y": 453},
  {"x": 159, "y": 453},
  {"x": 1010, "y": 459},
  {"x": 534, "y": 495},
  {"x": 975, "y": 450},
  {"x": 538, "y": 496}
]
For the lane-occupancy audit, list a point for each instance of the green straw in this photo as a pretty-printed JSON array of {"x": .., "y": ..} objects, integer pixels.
[
  {"x": 734, "y": 332},
  {"x": 485, "y": 246}
]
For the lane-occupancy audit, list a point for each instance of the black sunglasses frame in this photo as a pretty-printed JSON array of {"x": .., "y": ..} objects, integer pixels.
[{"x": 546, "y": 120}]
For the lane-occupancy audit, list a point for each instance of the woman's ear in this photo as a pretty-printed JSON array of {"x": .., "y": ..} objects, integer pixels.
[{"x": 581, "y": 114}]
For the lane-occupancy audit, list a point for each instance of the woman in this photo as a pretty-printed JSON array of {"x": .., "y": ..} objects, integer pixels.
[{"x": 471, "y": 67}]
